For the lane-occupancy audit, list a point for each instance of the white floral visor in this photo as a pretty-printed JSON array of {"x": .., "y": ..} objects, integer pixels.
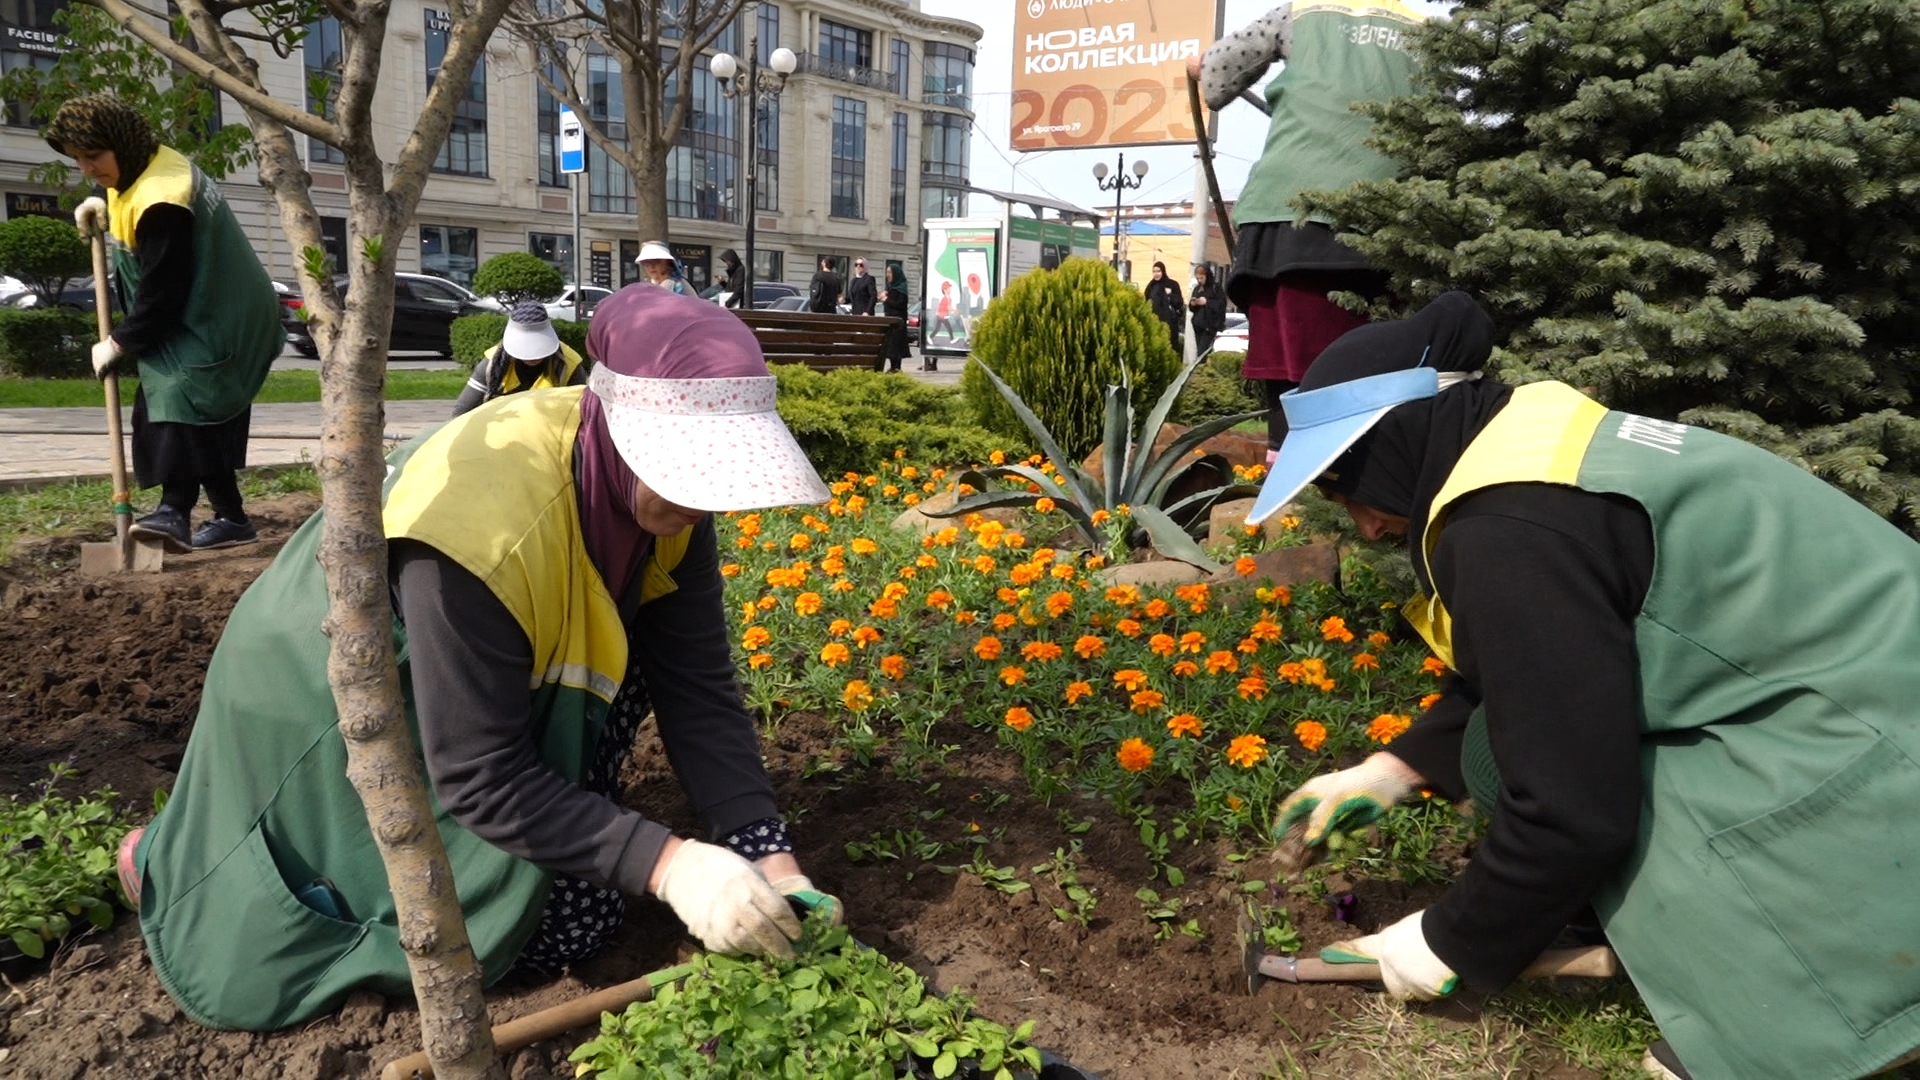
[{"x": 707, "y": 444}]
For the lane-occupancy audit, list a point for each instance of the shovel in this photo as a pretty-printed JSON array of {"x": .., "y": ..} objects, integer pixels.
[{"x": 125, "y": 552}]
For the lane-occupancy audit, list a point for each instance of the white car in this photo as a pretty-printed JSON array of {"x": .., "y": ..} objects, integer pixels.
[
  {"x": 563, "y": 307},
  {"x": 1234, "y": 337}
]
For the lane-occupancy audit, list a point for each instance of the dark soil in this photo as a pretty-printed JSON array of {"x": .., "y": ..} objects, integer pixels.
[{"x": 104, "y": 674}]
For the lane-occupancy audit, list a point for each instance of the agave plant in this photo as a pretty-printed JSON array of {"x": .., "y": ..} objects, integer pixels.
[{"x": 1132, "y": 475}]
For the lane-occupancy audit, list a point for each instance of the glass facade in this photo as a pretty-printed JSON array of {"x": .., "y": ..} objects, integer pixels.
[
  {"x": 547, "y": 135},
  {"x": 554, "y": 249},
  {"x": 609, "y": 188},
  {"x": 898, "y": 72},
  {"x": 450, "y": 251},
  {"x": 847, "y": 193},
  {"x": 701, "y": 169},
  {"x": 842, "y": 44},
  {"x": 897, "y": 184},
  {"x": 465, "y": 151},
  {"x": 949, "y": 76},
  {"x": 324, "y": 55},
  {"x": 767, "y": 115}
]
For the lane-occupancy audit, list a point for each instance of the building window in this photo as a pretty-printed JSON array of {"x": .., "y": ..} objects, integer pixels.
[
  {"x": 848, "y": 45},
  {"x": 702, "y": 167},
  {"x": 465, "y": 151},
  {"x": 333, "y": 241},
  {"x": 547, "y": 148},
  {"x": 610, "y": 189},
  {"x": 848, "y": 190},
  {"x": 767, "y": 114},
  {"x": 944, "y": 145},
  {"x": 939, "y": 202},
  {"x": 32, "y": 41},
  {"x": 450, "y": 251},
  {"x": 769, "y": 265},
  {"x": 902, "y": 60},
  {"x": 324, "y": 58},
  {"x": 554, "y": 249},
  {"x": 949, "y": 75},
  {"x": 897, "y": 186}
]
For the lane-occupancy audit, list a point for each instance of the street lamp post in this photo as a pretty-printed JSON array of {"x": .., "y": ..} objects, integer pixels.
[
  {"x": 750, "y": 84},
  {"x": 1119, "y": 185}
]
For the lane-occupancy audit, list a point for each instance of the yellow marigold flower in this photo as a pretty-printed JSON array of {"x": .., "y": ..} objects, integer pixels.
[
  {"x": 807, "y": 603},
  {"x": 884, "y": 608},
  {"x": 1077, "y": 690},
  {"x": 865, "y": 636},
  {"x": 984, "y": 564},
  {"x": 1089, "y": 647},
  {"x": 1059, "y": 604},
  {"x": 1278, "y": 594},
  {"x": 1430, "y": 701},
  {"x": 1005, "y": 620},
  {"x": 731, "y": 569},
  {"x": 1013, "y": 675},
  {"x": 1253, "y": 687},
  {"x": 1134, "y": 755},
  {"x": 749, "y": 611},
  {"x": 1128, "y": 627},
  {"x": 1044, "y": 505},
  {"x": 940, "y": 598},
  {"x": 893, "y": 666},
  {"x": 998, "y": 457},
  {"x": 1379, "y": 639},
  {"x": 1387, "y": 727},
  {"x": 1158, "y": 608},
  {"x": 1161, "y": 644},
  {"x": 1193, "y": 641},
  {"x": 1184, "y": 724},
  {"x": 1220, "y": 661},
  {"x": 799, "y": 542},
  {"x": 1185, "y": 668},
  {"x": 1019, "y": 719},
  {"x": 756, "y": 637},
  {"x": 1145, "y": 701},
  {"x": 926, "y": 562},
  {"x": 987, "y": 648},
  {"x": 1130, "y": 679},
  {"x": 835, "y": 654},
  {"x": 858, "y": 696},
  {"x": 1334, "y": 628},
  {"x": 1311, "y": 733},
  {"x": 1366, "y": 662},
  {"x": 1290, "y": 522},
  {"x": 1042, "y": 651},
  {"x": 1433, "y": 666},
  {"x": 1247, "y": 751},
  {"x": 863, "y": 546}
]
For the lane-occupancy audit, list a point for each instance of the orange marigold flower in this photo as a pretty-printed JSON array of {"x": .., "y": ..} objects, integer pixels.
[
  {"x": 893, "y": 666},
  {"x": 1016, "y": 539},
  {"x": 799, "y": 542},
  {"x": 1077, "y": 690},
  {"x": 750, "y": 525},
  {"x": 1185, "y": 668},
  {"x": 843, "y": 585},
  {"x": 925, "y": 561},
  {"x": 1005, "y": 620},
  {"x": 1247, "y": 751},
  {"x": 1025, "y": 573},
  {"x": 1063, "y": 572},
  {"x": 1193, "y": 641},
  {"x": 835, "y": 654},
  {"x": 1123, "y": 595},
  {"x": 1158, "y": 608},
  {"x": 1248, "y": 645},
  {"x": 1433, "y": 666},
  {"x": 1253, "y": 688},
  {"x": 1265, "y": 630},
  {"x": 1130, "y": 679},
  {"x": 834, "y": 565},
  {"x": 984, "y": 564},
  {"x": 1195, "y": 596},
  {"x": 1006, "y": 595},
  {"x": 965, "y": 618},
  {"x": 1042, "y": 651},
  {"x": 1101, "y": 517},
  {"x": 1245, "y": 566},
  {"x": 863, "y": 546},
  {"x": 807, "y": 603},
  {"x": 1334, "y": 628},
  {"x": 1366, "y": 661},
  {"x": 1311, "y": 733},
  {"x": 890, "y": 490},
  {"x": 1161, "y": 644},
  {"x": 759, "y": 660},
  {"x": 940, "y": 598},
  {"x": 908, "y": 573},
  {"x": 1220, "y": 661},
  {"x": 755, "y": 638},
  {"x": 987, "y": 648},
  {"x": 893, "y": 591},
  {"x": 1019, "y": 719},
  {"x": 1387, "y": 727},
  {"x": 884, "y": 608},
  {"x": 1128, "y": 627},
  {"x": 858, "y": 696},
  {"x": 946, "y": 537},
  {"x": 1044, "y": 505},
  {"x": 749, "y": 611},
  {"x": 998, "y": 457},
  {"x": 1430, "y": 701},
  {"x": 1379, "y": 639},
  {"x": 1134, "y": 755},
  {"x": 1184, "y": 724},
  {"x": 865, "y": 636},
  {"x": 767, "y": 603},
  {"x": 1059, "y": 604},
  {"x": 1013, "y": 675},
  {"x": 1089, "y": 647},
  {"x": 1145, "y": 701},
  {"x": 731, "y": 569}
]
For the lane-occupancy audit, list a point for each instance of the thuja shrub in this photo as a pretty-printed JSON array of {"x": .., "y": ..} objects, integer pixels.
[
  {"x": 847, "y": 420},
  {"x": 473, "y": 335},
  {"x": 515, "y": 276},
  {"x": 1059, "y": 338},
  {"x": 45, "y": 343}
]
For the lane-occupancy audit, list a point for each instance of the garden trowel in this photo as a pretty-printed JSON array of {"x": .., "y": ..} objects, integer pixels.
[
  {"x": 1261, "y": 967},
  {"x": 125, "y": 551}
]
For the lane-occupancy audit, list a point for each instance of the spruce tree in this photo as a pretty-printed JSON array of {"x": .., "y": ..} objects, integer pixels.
[{"x": 1701, "y": 210}]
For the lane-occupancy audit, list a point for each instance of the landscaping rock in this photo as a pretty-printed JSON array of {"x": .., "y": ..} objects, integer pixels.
[
  {"x": 917, "y": 519},
  {"x": 1156, "y": 572},
  {"x": 1227, "y": 520},
  {"x": 1238, "y": 449},
  {"x": 1319, "y": 561}
]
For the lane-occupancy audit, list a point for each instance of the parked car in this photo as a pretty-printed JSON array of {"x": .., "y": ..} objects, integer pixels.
[
  {"x": 563, "y": 307},
  {"x": 1234, "y": 337},
  {"x": 764, "y": 293},
  {"x": 913, "y": 324},
  {"x": 76, "y": 294},
  {"x": 796, "y": 302},
  {"x": 424, "y": 307}
]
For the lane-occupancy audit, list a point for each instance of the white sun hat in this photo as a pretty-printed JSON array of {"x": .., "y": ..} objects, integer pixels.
[
  {"x": 653, "y": 249},
  {"x": 690, "y": 405},
  {"x": 530, "y": 334}
]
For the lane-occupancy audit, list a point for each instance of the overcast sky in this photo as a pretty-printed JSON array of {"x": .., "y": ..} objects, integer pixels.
[{"x": 1068, "y": 174}]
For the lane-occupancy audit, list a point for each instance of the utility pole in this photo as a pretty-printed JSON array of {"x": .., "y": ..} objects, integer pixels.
[
  {"x": 749, "y": 87},
  {"x": 1119, "y": 185}
]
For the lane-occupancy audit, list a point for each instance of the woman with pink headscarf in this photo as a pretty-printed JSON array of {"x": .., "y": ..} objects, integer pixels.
[{"x": 555, "y": 578}]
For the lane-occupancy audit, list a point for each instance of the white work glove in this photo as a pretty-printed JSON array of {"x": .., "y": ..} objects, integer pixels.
[
  {"x": 1407, "y": 966},
  {"x": 105, "y": 353},
  {"x": 90, "y": 217},
  {"x": 799, "y": 887},
  {"x": 726, "y": 903},
  {"x": 1346, "y": 799}
]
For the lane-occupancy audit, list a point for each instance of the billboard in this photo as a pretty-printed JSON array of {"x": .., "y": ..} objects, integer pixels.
[
  {"x": 1046, "y": 244},
  {"x": 962, "y": 263},
  {"x": 1105, "y": 72}
]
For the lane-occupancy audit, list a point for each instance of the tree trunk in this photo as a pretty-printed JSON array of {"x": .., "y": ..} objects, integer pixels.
[{"x": 650, "y": 195}]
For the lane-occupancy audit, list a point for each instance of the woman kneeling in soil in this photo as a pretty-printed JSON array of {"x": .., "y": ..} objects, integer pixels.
[
  {"x": 1683, "y": 682},
  {"x": 555, "y": 577}
]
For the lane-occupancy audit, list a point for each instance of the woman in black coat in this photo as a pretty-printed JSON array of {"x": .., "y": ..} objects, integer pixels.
[
  {"x": 1163, "y": 293},
  {"x": 893, "y": 302},
  {"x": 1209, "y": 304}
]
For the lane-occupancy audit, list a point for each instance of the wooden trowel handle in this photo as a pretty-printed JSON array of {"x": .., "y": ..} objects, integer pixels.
[{"x": 1597, "y": 962}]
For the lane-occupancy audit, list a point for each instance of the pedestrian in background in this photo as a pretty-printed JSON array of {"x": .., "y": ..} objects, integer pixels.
[
  {"x": 530, "y": 356},
  {"x": 661, "y": 268},
  {"x": 1163, "y": 293},
  {"x": 894, "y": 303},
  {"x": 1209, "y": 307},
  {"x": 1285, "y": 264},
  {"x": 862, "y": 292},
  {"x": 202, "y": 327},
  {"x": 733, "y": 280},
  {"x": 823, "y": 293}
]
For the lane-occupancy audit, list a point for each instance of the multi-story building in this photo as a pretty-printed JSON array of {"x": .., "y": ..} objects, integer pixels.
[{"x": 869, "y": 137}]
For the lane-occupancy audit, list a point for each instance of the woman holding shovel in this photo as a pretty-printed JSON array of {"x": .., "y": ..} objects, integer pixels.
[
  {"x": 556, "y": 578},
  {"x": 202, "y": 322},
  {"x": 1682, "y": 682}
]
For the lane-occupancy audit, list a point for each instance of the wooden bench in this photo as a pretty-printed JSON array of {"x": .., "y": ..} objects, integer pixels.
[{"x": 822, "y": 342}]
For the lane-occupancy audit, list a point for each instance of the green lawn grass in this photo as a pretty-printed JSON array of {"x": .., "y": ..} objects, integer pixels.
[
  {"x": 281, "y": 386},
  {"x": 86, "y": 507}
]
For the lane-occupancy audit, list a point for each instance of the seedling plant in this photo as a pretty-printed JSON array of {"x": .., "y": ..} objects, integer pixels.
[{"x": 58, "y": 864}]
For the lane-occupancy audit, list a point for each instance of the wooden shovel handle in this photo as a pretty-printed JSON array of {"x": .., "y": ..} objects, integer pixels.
[
  {"x": 548, "y": 1023},
  {"x": 1595, "y": 962},
  {"x": 103, "y": 322}
]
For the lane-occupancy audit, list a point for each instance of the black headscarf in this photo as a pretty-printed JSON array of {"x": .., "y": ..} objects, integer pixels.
[
  {"x": 1399, "y": 466},
  {"x": 104, "y": 122}
]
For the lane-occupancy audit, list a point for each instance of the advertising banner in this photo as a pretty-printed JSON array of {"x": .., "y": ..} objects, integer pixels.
[
  {"x": 1034, "y": 243},
  {"x": 962, "y": 277},
  {"x": 1105, "y": 72}
]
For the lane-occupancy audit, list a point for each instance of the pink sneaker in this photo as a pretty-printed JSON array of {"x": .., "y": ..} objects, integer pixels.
[{"x": 130, "y": 874}]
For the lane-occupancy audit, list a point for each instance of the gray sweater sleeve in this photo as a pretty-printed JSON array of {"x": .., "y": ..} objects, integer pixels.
[
  {"x": 471, "y": 666},
  {"x": 1236, "y": 62}
]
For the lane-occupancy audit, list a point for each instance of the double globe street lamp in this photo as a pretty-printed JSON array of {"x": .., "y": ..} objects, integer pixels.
[
  {"x": 754, "y": 85},
  {"x": 1119, "y": 185}
]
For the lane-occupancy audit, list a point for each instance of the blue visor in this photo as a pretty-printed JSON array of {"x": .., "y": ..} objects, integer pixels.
[{"x": 1323, "y": 423}]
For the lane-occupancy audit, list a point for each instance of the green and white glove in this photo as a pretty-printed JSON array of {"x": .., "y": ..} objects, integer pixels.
[
  {"x": 799, "y": 887},
  {"x": 1346, "y": 799},
  {"x": 1407, "y": 966},
  {"x": 726, "y": 903}
]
